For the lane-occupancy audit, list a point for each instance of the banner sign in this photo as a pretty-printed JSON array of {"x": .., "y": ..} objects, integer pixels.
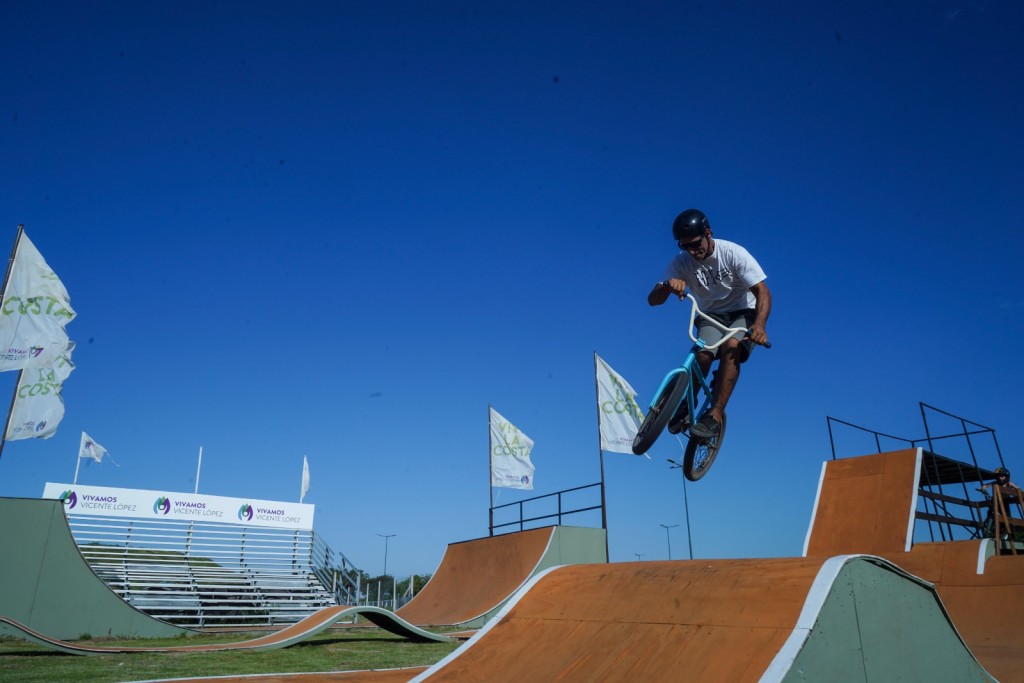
[
  {"x": 510, "y": 454},
  {"x": 38, "y": 407},
  {"x": 33, "y": 313},
  {"x": 187, "y": 507},
  {"x": 619, "y": 414}
]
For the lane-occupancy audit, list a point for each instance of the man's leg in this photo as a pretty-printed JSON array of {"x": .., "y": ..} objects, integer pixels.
[
  {"x": 725, "y": 381},
  {"x": 726, "y": 377}
]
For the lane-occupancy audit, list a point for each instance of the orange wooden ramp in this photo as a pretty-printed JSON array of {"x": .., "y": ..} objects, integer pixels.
[
  {"x": 476, "y": 577},
  {"x": 719, "y": 620},
  {"x": 867, "y": 504}
]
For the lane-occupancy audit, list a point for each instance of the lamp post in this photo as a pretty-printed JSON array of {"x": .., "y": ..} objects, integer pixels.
[
  {"x": 667, "y": 539},
  {"x": 639, "y": 555},
  {"x": 386, "y": 537},
  {"x": 686, "y": 503}
]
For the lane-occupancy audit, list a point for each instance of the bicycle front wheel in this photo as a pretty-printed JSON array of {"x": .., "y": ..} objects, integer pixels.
[
  {"x": 660, "y": 413},
  {"x": 701, "y": 453}
]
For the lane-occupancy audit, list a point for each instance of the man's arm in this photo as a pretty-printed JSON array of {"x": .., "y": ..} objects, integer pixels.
[
  {"x": 659, "y": 294},
  {"x": 762, "y": 309}
]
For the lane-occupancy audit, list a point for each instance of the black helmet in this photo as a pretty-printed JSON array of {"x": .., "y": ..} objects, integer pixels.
[
  {"x": 1002, "y": 472},
  {"x": 689, "y": 224}
]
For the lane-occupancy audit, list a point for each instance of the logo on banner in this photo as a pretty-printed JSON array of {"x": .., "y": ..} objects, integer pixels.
[
  {"x": 245, "y": 512},
  {"x": 69, "y": 499},
  {"x": 162, "y": 505}
]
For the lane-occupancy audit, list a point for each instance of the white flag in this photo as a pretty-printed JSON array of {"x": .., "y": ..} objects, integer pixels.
[
  {"x": 34, "y": 311},
  {"x": 91, "y": 449},
  {"x": 38, "y": 406},
  {"x": 510, "y": 454},
  {"x": 305, "y": 478},
  {"x": 620, "y": 415}
]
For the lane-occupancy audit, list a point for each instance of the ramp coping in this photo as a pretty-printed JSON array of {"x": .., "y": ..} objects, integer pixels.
[
  {"x": 816, "y": 596},
  {"x": 814, "y": 509},
  {"x": 986, "y": 549},
  {"x": 913, "y": 499}
]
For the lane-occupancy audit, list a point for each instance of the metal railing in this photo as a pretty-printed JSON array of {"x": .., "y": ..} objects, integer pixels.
[
  {"x": 558, "y": 514},
  {"x": 950, "y": 507}
]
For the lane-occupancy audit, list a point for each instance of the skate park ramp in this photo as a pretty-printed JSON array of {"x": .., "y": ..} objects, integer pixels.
[
  {"x": 51, "y": 595},
  {"x": 48, "y": 585},
  {"x": 845, "y": 618},
  {"x": 315, "y": 623},
  {"x": 475, "y": 578},
  {"x": 867, "y": 505}
]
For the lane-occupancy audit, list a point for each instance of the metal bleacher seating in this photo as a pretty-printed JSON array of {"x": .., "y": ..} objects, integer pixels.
[{"x": 209, "y": 575}]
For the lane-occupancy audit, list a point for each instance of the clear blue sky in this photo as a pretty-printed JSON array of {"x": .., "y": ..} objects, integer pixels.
[{"x": 342, "y": 229}]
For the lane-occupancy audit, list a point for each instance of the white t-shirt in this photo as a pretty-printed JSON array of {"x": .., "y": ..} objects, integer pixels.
[{"x": 720, "y": 283}]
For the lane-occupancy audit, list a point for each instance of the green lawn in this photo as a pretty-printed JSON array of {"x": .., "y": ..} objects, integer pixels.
[{"x": 336, "y": 650}]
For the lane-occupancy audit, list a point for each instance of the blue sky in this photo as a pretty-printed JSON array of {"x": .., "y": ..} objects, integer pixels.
[{"x": 342, "y": 229}]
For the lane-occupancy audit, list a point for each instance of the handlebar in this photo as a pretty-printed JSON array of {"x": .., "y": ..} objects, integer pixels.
[{"x": 730, "y": 332}]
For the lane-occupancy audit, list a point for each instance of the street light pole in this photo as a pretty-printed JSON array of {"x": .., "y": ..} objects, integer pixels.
[
  {"x": 667, "y": 539},
  {"x": 386, "y": 537},
  {"x": 686, "y": 503}
]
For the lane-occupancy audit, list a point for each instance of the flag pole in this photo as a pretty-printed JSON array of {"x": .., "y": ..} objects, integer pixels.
[
  {"x": 3, "y": 295},
  {"x": 78, "y": 463},
  {"x": 490, "y": 482},
  {"x": 10, "y": 411},
  {"x": 199, "y": 467},
  {"x": 600, "y": 457},
  {"x": 78, "y": 459}
]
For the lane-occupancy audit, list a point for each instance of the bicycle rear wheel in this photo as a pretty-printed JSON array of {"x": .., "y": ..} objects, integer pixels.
[
  {"x": 701, "y": 453},
  {"x": 660, "y": 413}
]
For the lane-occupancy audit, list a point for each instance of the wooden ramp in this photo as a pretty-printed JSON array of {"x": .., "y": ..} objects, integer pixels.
[
  {"x": 51, "y": 595},
  {"x": 867, "y": 505},
  {"x": 793, "y": 619},
  {"x": 475, "y": 578},
  {"x": 846, "y": 618},
  {"x": 984, "y": 595}
]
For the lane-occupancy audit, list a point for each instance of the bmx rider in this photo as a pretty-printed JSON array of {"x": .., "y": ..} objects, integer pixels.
[{"x": 728, "y": 285}]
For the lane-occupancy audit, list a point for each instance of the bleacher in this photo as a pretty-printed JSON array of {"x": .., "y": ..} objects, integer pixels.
[{"x": 209, "y": 575}]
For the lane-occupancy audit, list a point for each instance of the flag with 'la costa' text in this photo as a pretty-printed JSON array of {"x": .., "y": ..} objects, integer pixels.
[
  {"x": 38, "y": 406},
  {"x": 33, "y": 313},
  {"x": 619, "y": 413},
  {"x": 510, "y": 454}
]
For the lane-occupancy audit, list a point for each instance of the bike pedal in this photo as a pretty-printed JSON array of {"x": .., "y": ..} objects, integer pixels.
[{"x": 677, "y": 426}]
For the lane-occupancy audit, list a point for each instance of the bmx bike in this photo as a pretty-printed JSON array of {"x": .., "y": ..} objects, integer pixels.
[
  {"x": 1005, "y": 531},
  {"x": 683, "y": 398}
]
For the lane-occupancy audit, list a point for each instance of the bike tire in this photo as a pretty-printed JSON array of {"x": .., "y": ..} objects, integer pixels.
[
  {"x": 660, "y": 413},
  {"x": 701, "y": 453}
]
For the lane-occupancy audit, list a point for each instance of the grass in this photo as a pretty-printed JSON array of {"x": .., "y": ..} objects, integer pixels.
[{"x": 343, "y": 649}]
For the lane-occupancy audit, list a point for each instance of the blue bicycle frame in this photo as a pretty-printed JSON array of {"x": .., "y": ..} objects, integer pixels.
[{"x": 691, "y": 366}]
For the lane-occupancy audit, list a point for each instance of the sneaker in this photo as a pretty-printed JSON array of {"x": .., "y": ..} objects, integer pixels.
[
  {"x": 679, "y": 423},
  {"x": 706, "y": 428}
]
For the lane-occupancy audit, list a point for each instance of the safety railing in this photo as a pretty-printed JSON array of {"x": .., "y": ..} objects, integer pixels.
[{"x": 521, "y": 518}]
